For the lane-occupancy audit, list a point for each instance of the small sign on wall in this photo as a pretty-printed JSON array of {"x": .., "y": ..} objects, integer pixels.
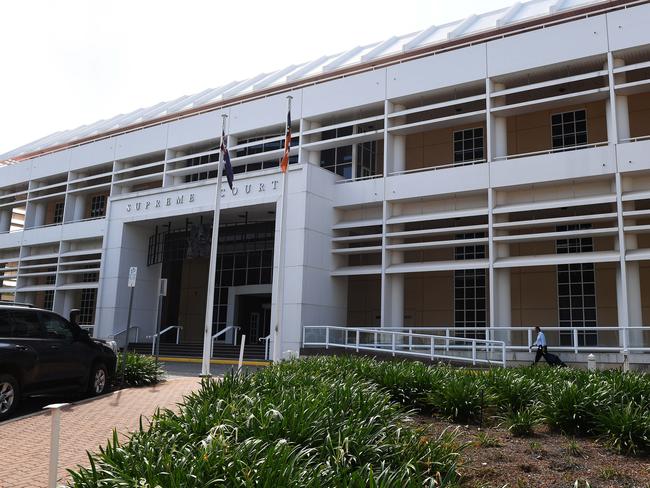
[
  {"x": 163, "y": 287},
  {"x": 133, "y": 272}
]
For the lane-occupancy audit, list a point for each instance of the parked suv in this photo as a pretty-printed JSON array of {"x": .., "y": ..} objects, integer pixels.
[{"x": 42, "y": 353}]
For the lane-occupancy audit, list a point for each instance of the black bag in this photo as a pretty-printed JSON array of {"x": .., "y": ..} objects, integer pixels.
[{"x": 554, "y": 360}]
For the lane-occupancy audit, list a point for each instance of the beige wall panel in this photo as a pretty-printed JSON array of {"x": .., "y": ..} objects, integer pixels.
[
  {"x": 607, "y": 311},
  {"x": 435, "y": 146},
  {"x": 639, "y": 107},
  {"x": 364, "y": 300},
  {"x": 534, "y": 296}
]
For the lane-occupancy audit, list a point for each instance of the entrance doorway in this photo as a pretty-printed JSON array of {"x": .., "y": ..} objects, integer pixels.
[{"x": 253, "y": 316}]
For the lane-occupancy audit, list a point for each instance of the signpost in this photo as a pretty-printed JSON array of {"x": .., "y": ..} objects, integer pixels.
[
  {"x": 162, "y": 292},
  {"x": 133, "y": 273}
]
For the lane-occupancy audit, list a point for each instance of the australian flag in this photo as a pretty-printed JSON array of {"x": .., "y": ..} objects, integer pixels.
[{"x": 226, "y": 160}]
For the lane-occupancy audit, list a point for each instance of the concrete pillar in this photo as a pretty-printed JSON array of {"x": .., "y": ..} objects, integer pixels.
[
  {"x": 5, "y": 220},
  {"x": 634, "y": 303},
  {"x": 499, "y": 127},
  {"x": 502, "y": 296},
  {"x": 314, "y": 156},
  {"x": 39, "y": 214},
  {"x": 395, "y": 291},
  {"x": 399, "y": 144},
  {"x": 79, "y": 207},
  {"x": 622, "y": 110}
]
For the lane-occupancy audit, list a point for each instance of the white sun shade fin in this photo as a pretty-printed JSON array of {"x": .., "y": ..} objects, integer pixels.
[
  {"x": 420, "y": 38},
  {"x": 509, "y": 15},
  {"x": 273, "y": 77},
  {"x": 342, "y": 58},
  {"x": 462, "y": 28},
  {"x": 379, "y": 49}
]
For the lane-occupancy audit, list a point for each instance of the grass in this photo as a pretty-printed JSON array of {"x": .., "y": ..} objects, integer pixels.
[
  {"x": 348, "y": 421},
  {"x": 574, "y": 449},
  {"x": 483, "y": 439}
]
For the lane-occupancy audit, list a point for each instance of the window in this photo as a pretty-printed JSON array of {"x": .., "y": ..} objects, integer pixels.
[
  {"x": 576, "y": 289},
  {"x": 58, "y": 212},
  {"x": 56, "y": 327},
  {"x": 98, "y": 206},
  {"x": 337, "y": 160},
  {"x": 468, "y": 145},
  {"x": 264, "y": 146},
  {"x": 5, "y": 323},
  {"x": 87, "y": 306},
  {"x": 26, "y": 324},
  {"x": 200, "y": 160},
  {"x": 569, "y": 129},
  {"x": 48, "y": 299},
  {"x": 469, "y": 289}
]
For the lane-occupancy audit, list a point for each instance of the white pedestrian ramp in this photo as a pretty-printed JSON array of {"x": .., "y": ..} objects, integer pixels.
[{"x": 406, "y": 343}]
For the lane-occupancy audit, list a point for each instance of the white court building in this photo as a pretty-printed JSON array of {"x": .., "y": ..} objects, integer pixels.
[{"x": 473, "y": 179}]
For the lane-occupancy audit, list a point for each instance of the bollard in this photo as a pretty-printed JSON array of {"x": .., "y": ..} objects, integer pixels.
[
  {"x": 241, "y": 353},
  {"x": 591, "y": 362},
  {"x": 54, "y": 442}
]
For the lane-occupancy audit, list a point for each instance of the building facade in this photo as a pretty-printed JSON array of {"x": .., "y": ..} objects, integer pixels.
[{"x": 481, "y": 177}]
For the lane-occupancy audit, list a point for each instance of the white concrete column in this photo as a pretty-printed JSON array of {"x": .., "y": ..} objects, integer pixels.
[
  {"x": 39, "y": 214},
  {"x": 502, "y": 296},
  {"x": 79, "y": 207},
  {"x": 633, "y": 278},
  {"x": 399, "y": 144},
  {"x": 499, "y": 127},
  {"x": 314, "y": 156},
  {"x": 396, "y": 281},
  {"x": 5, "y": 220},
  {"x": 622, "y": 110}
]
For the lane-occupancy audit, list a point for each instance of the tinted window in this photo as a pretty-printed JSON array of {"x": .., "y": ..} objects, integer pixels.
[
  {"x": 25, "y": 324},
  {"x": 5, "y": 323},
  {"x": 56, "y": 327}
]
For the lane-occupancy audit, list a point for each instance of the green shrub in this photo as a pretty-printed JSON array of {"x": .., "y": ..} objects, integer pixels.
[
  {"x": 625, "y": 429},
  {"x": 310, "y": 423},
  {"x": 511, "y": 391},
  {"x": 521, "y": 422},
  {"x": 461, "y": 398},
  {"x": 140, "y": 370},
  {"x": 572, "y": 406}
]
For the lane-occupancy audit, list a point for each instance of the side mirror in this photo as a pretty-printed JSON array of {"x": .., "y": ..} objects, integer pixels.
[
  {"x": 74, "y": 314},
  {"x": 84, "y": 334}
]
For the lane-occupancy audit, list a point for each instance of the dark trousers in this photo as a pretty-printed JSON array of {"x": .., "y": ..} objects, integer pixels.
[{"x": 541, "y": 351}]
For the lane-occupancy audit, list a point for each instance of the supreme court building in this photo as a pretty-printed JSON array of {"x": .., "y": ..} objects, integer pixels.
[{"x": 492, "y": 172}]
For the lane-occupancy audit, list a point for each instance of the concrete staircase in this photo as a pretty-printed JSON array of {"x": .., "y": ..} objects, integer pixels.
[{"x": 252, "y": 352}]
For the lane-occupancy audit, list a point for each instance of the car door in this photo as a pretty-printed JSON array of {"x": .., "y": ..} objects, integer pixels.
[
  {"x": 67, "y": 352},
  {"x": 27, "y": 333},
  {"x": 16, "y": 348}
]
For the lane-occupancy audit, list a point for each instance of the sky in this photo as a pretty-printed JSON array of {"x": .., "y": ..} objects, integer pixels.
[{"x": 67, "y": 63}]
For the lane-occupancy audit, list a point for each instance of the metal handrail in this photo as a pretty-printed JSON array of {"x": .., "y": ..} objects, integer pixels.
[
  {"x": 222, "y": 332},
  {"x": 624, "y": 346},
  {"x": 267, "y": 341},
  {"x": 438, "y": 167},
  {"x": 551, "y": 151},
  {"x": 134, "y": 327},
  {"x": 167, "y": 329},
  {"x": 434, "y": 350}
]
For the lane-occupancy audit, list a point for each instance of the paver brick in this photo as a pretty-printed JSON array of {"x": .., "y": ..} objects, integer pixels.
[{"x": 25, "y": 443}]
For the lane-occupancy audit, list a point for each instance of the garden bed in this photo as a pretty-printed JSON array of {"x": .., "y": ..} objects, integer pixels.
[{"x": 356, "y": 422}]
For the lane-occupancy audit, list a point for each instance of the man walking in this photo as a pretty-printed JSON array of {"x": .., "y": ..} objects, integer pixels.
[{"x": 540, "y": 342}]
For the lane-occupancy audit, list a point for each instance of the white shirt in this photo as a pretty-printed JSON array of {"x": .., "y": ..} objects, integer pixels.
[{"x": 541, "y": 339}]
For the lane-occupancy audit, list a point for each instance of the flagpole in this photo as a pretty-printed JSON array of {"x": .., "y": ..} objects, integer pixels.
[
  {"x": 277, "y": 335},
  {"x": 209, "y": 302}
]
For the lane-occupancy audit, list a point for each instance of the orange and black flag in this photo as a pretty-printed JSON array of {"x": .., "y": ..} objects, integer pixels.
[{"x": 284, "y": 162}]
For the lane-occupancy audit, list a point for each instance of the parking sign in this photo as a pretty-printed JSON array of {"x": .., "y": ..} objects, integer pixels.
[{"x": 133, "y": 271}]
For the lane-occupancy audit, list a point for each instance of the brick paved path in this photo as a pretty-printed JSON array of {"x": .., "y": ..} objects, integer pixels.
[{"x": 24, "y": 443}]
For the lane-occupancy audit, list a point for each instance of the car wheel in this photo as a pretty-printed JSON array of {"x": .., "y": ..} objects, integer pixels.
[
  {"x": 9, "y": 395},
  {"x": 98, "y": 383}
]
